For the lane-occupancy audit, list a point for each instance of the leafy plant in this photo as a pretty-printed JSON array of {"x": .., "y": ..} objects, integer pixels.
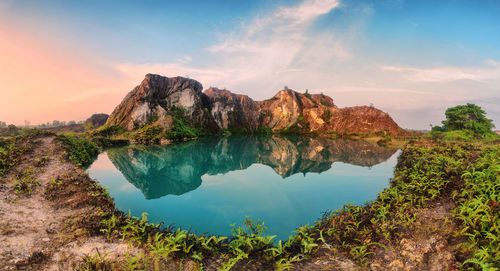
[{"x": 79, "y": 149}]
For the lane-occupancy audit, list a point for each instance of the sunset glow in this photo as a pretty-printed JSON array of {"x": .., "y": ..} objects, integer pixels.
[{"x": 412, "y": 59}]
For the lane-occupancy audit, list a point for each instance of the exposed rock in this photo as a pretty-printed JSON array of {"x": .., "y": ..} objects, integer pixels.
[
  {"x": 288, "y": 108},
  {"x": 362, "y": 119},
  {"x": 97, "y": 120},
  {"x": 155, "y": 99},
  {"x": 233, "y": 111}
]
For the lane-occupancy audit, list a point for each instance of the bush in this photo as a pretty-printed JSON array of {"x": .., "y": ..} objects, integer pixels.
[
  {"x": 463, "y": 135},
  {"x": 384, "y": 141},
  {"x": 264, "y": 130},
  {"x": 79, "y": 150},
  {"x": 149, "y": 134},
  {"x": 181, "y": 130}
]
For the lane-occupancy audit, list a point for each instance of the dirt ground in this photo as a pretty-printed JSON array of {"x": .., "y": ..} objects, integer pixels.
[{"x": 33, "y": 233}]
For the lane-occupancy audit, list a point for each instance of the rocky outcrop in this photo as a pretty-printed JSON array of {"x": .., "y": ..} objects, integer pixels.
[
  {"x": 97, "y": 120},
  {"x": 157, "y": 100},
  {"x": 233, "y": 111},
  {"x": 289, "y": 108},
  {"x": 362, "y": 119}
]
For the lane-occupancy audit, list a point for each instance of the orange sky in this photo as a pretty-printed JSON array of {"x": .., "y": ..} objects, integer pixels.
[{"x": 41, "y": 82}]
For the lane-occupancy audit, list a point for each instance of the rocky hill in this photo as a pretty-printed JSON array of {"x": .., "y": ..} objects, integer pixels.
[
  {"x": 97, "y": 120},
  {"x": 159, "y": 100}
]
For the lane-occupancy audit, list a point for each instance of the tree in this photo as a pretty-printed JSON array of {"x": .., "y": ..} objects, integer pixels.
[
  {"x": 467, "y": 117},
  {"x": 3, "y": 124}
]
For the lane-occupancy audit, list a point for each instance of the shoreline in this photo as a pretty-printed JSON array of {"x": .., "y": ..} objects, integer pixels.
[{"x": 101, "y": 228}]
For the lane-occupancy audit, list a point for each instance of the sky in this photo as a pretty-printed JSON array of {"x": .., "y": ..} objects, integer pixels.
[{"x": 65, "y": 60}]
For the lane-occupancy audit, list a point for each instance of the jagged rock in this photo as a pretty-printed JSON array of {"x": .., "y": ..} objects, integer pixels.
[
  {"x": 288, "y": 108},
  {"x": 362, "y": 119},
  {"x": 233, "y": 111},
  {"x": 155, "y": 99}
]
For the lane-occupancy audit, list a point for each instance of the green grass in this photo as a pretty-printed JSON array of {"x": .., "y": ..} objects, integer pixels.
[
  {"x": 13, "y": 147},
  {"x": 26, "y": 183}
]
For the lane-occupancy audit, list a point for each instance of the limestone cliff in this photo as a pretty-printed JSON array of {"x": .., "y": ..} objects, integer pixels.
[
  {"x": 233, "y": 111},
  {"x": 156, "y": 99}
]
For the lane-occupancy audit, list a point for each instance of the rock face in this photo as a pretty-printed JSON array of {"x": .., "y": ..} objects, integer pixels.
[
  {"x": 155, "y": 101},
  {"x": 289, "y": 108},
  {"x": 157, "y": 98},
  {"x": 231, "y": 110}
]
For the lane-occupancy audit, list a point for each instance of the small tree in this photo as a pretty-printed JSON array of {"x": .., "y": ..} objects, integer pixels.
[{"x": 467, "y": 117}]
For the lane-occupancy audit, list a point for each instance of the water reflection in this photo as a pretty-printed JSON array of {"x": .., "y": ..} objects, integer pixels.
[{"x": 176, "y": 169}]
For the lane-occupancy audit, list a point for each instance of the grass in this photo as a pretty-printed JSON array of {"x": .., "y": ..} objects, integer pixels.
[
  {"x": 26, "y": 183},
  {"x": 13, "y": 147}
]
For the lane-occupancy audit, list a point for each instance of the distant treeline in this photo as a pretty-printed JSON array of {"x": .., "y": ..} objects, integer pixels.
[{"x": 54, "y": 123}]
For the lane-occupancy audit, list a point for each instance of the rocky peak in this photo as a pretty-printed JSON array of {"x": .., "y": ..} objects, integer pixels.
[
  {"x": 154, "y": 100},
  {"x": 233, "y": 111}
]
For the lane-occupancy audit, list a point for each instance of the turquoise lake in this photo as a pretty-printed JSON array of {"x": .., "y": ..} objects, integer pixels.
[{"x": 207, "y": 184}]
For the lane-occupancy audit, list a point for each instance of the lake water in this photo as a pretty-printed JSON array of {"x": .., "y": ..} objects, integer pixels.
[{"x": 210, "y": 183}]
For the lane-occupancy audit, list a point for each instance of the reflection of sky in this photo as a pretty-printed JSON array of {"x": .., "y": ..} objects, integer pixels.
[{"x": 257, "y": 192}]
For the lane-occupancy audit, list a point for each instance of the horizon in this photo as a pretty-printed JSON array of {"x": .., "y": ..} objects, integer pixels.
[{"x": 66, "y": 61}]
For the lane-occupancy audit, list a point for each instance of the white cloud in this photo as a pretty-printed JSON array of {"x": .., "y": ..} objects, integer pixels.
[
  {"x": 266, "y": 48},
  {"x": 446, "y": 74}
]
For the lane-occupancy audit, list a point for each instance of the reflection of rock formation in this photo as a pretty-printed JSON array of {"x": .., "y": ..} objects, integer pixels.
[{"x": 177, "y": 169}]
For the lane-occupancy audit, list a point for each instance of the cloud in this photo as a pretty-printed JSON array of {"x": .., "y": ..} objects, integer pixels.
[
  {"x": 446, "y": 74},
  {"x": 269, "y": 47}
]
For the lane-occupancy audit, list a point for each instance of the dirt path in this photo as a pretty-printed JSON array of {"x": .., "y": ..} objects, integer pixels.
[{"x": 32, "y": 228}]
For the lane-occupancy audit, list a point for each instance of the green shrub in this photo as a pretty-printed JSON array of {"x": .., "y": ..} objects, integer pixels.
[
  {"x": 79, "y": 149},
  {"x": 12, "y": 148},
  {"x": 384, "y": 141},
  {"x": 264, "y": 130},
  {"x": 182, "y": 130},
  {"x": 463, "y": 135},
  {"x": 327, "y": 116},
  {"x": 149, "y": 134}
]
